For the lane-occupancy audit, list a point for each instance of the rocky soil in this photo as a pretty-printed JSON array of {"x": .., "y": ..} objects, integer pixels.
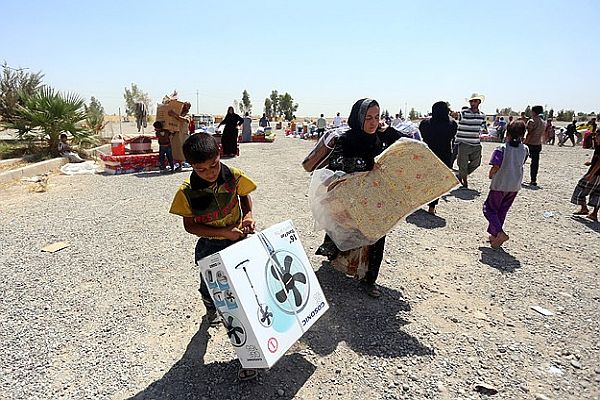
[{"x": 117, "y": 314}]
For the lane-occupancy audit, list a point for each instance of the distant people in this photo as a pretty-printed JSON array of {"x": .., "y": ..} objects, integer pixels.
[
  {"x": 181, "y": 135},
  {"x": 506, "y": 174},
  {"x": 321, "y": 125},
  {"x": 164, "y": 146},
  {"x": 589, "y": 186},
  {"x": 337, "y": 121},
  {"x": 247, "y": 128},
  {"x": 439, "y": 132},
  {"x": 264, "y": 121},
  {"x": 549, "y": 133},
  {"x": 501, "y": 129},
  {"x": 141, "y": 115},
  {"x": 397, "y": 121},
  {"x": 230, "y": 132},
  {"x": 569, "y": 134},
  {"x": 589, "y": 135},
  {"x": 467, "y": 138},
  {"x": 523, "y": 117},
  {"x": 533, "y": 140},
  {"x": 64, "y": 149}
]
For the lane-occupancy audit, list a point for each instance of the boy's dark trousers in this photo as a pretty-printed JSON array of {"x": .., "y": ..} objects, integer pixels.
[
  {"x": 534, "y": 153},
  {"x": 165, "y": 151},
  {"x": 205, "y": 247}
]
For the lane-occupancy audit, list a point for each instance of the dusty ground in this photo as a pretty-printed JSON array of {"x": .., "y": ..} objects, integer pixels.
[{"x": 117, "y": 314}]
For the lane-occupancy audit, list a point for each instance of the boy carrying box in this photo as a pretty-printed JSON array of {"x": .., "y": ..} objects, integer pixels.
[{"x": 216, "y": 206}]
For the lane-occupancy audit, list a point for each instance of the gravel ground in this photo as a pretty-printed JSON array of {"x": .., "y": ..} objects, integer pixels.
[{"x": 117, "y": 314}]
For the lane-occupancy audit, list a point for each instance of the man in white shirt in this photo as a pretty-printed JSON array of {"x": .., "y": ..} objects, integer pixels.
[{"x": 337, "y": 121}]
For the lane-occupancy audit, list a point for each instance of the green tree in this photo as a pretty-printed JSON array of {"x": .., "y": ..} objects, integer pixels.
[
  {"x": 400, "y": 114},
  {"x": 287, "y": 107},
  {"x": 14, "y": 82},
  {"x": 47, "y": 113},
  {"x": 551, "y": 113},
  {"x": 94, "y": 116},
  {"x": 275, "y": 103},
  {"x": 412, "y": 115},
  {"x": 268, "y": 107},
  {"x": 135, "y": 95},
  {"x": 565, "y": 115},
  {"x": 246, "y": 105}
]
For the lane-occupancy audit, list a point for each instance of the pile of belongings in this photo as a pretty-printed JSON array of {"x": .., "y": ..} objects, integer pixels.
[{"x": 265, "y": 134}]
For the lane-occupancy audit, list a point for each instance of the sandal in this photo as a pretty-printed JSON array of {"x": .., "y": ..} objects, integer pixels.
[
  {"x": 593, "y": 218},
  {"x": 581, "y": 212},
  {"x": 371, "y": 289},
  {"x": 247, "y": 374}
]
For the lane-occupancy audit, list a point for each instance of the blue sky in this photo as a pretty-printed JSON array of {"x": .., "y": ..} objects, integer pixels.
[{"x": 326, "y": 54}]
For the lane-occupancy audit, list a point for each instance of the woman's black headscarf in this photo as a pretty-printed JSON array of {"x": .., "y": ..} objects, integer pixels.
[
  {"x": 439, "y": 113},
  {"x": 356, "y": 122}
]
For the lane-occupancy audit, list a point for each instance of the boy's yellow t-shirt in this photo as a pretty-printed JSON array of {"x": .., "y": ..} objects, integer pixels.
[{"x": 215, "y": 204}]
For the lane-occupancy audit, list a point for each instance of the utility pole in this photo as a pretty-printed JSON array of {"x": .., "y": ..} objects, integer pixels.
[{"x": 197, "y": 112}]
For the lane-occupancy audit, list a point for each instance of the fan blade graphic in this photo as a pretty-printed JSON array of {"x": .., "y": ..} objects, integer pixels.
[
  {"x": 297, "y": 296},
  {"x": 287, "y": 264},
  {"x": 232, "y": 331},
  {"x": 281, "y": 295},
  {"x": 299, "y": 277}
]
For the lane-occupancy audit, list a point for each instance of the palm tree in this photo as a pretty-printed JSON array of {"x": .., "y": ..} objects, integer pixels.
[{"x": 47, "y": 113}]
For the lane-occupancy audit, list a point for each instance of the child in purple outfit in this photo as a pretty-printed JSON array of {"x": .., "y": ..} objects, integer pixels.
[{"x": 506, "y": 175}]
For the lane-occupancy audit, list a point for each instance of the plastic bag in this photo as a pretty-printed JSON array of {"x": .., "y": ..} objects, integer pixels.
[
  {"x": 408, "y": 129},
  {"x": 340, "y": 227},
  {"x": 87, "y": 167}
]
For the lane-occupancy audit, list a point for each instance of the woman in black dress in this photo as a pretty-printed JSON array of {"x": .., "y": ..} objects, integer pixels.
[
  {"x": 439, "y": 132},
  {"x": 355, "y": 151},
  {"x": 230, "y": 132}
]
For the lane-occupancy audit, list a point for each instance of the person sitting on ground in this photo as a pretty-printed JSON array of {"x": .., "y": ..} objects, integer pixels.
[
  {"x": 506, "y": 175},
  {"x": 64, "y": 149},
  {"x": 216, "y": 206},
  {"x": 355, "y": 151},
  {"x": 589, "y": 186},
  {"x": 164, "y": 146}
]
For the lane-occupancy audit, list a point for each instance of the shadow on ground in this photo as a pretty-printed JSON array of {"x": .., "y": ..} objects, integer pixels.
[
  {"x": 368, "y": 326},
  {"x": 464, "y": 194},
  {"x": 593, "y": 225},
  {"x": 423, "y": 219},
  {"x": 190, "y": 378},
  {"x": 499, "y": 259}
]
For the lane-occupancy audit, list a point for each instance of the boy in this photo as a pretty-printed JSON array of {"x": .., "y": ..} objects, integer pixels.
[
  {"x": 164, "y": 146},
  {"x": 65, "y": 150},
  {"x": 215, "y": 205}
]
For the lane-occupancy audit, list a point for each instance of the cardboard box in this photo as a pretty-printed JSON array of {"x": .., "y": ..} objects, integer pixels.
[
  {"x": 266, "y": 291},
  {"x": 170, "y": 123}
]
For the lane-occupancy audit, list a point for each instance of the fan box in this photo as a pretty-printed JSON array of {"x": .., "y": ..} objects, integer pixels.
[{"x": 267, "y": 293}]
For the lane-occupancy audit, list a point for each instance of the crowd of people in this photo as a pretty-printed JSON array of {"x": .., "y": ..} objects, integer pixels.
[{"x": 215, "y": 201}]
